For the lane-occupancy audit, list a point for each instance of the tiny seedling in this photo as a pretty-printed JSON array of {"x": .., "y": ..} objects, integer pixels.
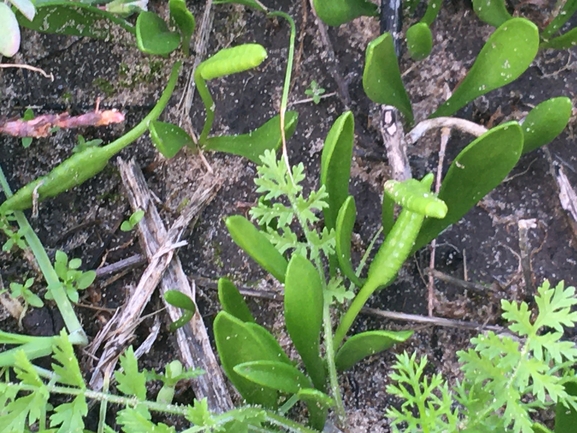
[
  {"x": 180, "y": 300},
  {"x": 70, "y": 276},
  {"x": 82, "y": 144},
  {"x": 23, "y": 291},
  {"x": 130, "y": 223},
  {"x": 28, "y": 115},
  {"x": 315, "y": 92}
]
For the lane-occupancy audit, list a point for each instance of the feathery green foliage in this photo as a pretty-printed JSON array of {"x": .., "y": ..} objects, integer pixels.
[{"x": 505, "y": 377}]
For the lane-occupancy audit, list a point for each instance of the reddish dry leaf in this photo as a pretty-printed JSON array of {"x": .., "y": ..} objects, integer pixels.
[{"x": 41, "y": 125}]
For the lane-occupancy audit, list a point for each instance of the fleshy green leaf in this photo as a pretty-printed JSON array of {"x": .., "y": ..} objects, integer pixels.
[
  {"x": 382, "y": 77},
  {"x": 545, "y": 122},
  {"x": 337, "y": 12},
  {"x": 505, "y": 56},
  {"x": 476, "y": 171},
  {"x": 73, "y": 19},
  {"x": 492, "y": 12},
  {"x": 237, "y": 343},
  {"x": 433, "y": 9},
  {"x": 566, "y": 40},
  {"x": 269, "y": 341},
  {"x": 178, "y": 299},
  {"x": 153, "y": 35},
  {"x": 168, "y": 138},
  {"x": 10, "y": 40},
  {"x": 344, "y": 230},
  {"x": 184, "y": 21},
  {"x": 336, "y": 165},
  {"x": 419, "y": 41},
  {"x": 273, "y": 374},
  {"x": 232, "y": 301},
  {"x": 303, "y": 308},
  {"x": 365, "y": 344},
  {"x": 253, "y": 144},
  {"x": 256, "y": 245}
]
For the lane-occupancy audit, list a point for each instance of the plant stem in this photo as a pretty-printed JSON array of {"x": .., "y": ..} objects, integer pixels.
[
  {"x": 119, "y": 144},
  {"x": 353, "y": 311},
  {"x": 286, "y": 84},
  {"x": 77, "y": 334},
  {"x": 208, "y": 102}
]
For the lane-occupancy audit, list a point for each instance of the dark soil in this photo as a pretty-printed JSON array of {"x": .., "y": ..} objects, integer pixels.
[{"x": 485, "y": 244}]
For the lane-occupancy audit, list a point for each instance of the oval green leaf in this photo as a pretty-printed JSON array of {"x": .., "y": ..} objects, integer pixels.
[
  {"x": 231, "y": 61},
  {"x": 184, "y": 21},
  {"x": 10, "y": 40},
  {"x": 545, "y": 122},
  {"x": 506, "y": 55},
  {"x": 419, "y": 41},
  {"x": 273, "y": 374},
  {"x": 267, "y": 339},
  {"x": 256, "y": 245},
  {"x": 382, "y": 77},
  {"x": 303, "y": 309},
  {"x": 73, "y": 19},
  {"x": 336, "y": 165},
  {"x": 153, "y": 35},
  {"x": 365, "y": 344},
  {"x": 475, "y": 172},
  {"x": 232, "y": 301},
  {"x": 337, "y": 12},
  {"x": 182, "y": 301},
  {"x": 492, "y": 12},
  {"x": 237, "y": 343},
  {"x": 168, "y": 138},
  {"x": 566, "y": 40},
  {"x": 253, "y": 144},
  {"x": 344, "y": 230}
]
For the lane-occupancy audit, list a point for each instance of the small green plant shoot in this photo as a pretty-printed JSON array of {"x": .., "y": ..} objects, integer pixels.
[
  {"x": 132, "y": 221},
  {"x": 315, "y": 92}
]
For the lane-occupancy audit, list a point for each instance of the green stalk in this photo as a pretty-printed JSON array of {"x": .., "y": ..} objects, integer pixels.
[
  {"x": 287, "y": 83},
  {"x": 77, "y": 334},
  {"x": 208, "y": 102}
]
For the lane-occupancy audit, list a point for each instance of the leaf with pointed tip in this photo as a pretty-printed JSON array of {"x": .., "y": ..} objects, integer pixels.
[
  {"x": 566, "y": 40},
  {"x": 10, "y": 40},
  {"x": 153, "y": 35},
  {"x": 168, "y": 138},
  {"x": 253, "y": 144},
  {"x": 507, "y": 54},
  {"x": 232, "y": 301},
  {"x": 336, "y": 165},
  {"x": 475, "y": 172},
  {"x": 273, "y": 374},
  {"x": 419, "y": 41},
  {"x": 344, "y": 230},
  {"x": 303, "y": 309},
  {"x": 337, "y": 12},
  {"x": 545, "y": 122},
  {"x": 492, "y": 12},
  {"x": 256, "y": 245},
  {"x": 382, "y": 77},
  {"x": 184, "y": 21},
  {"x": 237, "y": 343},
  {"x": 365, "y": 344}
]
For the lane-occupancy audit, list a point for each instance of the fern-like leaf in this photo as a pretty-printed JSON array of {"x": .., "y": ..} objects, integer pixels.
[
  {"x": 130, "y": 380},
  {"x": 67, "y": 367}
]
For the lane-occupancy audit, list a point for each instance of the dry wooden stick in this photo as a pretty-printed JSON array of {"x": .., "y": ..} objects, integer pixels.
[{"x": 156, "y": 242}]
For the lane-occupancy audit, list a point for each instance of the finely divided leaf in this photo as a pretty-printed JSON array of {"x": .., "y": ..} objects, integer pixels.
[{"x": 130, "y": 380}]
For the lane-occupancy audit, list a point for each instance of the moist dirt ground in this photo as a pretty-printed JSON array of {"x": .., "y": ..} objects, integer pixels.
[{"x": 483, "y": 247}]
